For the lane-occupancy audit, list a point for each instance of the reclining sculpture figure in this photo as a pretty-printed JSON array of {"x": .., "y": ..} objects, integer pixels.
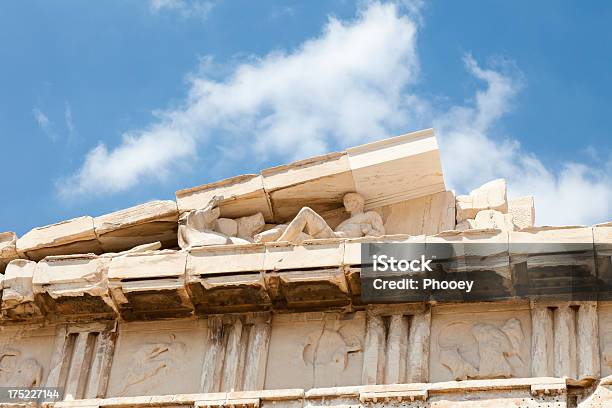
[
  {"x": 307, "y": 224},
  {"x": 203, "y": 227}
]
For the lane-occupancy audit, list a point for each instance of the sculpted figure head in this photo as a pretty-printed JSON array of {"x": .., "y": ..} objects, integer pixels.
[{"x": 353, "y": 203}]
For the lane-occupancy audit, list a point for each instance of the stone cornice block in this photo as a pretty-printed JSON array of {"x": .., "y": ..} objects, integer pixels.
[
  {"x": 141, "y": 224},
  {"x": 397, "y": 169},
  {"x": 74, "y": 285},
  {"x": 242, "y": 195},
  {"x": 72, "y": 236},
  {"x": 222, "y": 259},
  {"x": 141, "y": 214},
  {"x": 557, "y": 261},
  {"x": 311, "y": 254},
  {"x": 234, "y": 293},
  {"x": 540, "y": 239},
  {"x": 318, "y": 182},
  {"x": 312, "y": 288},
  {"x": 150, "y": 285},
  {"x": 474, "y": 243},
  {"x": 18, "y": 300},
  {"x": 154, "y": 264}
]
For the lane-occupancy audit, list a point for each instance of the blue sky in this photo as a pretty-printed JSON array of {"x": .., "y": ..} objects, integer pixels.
[{"x": 106, "y": 105}]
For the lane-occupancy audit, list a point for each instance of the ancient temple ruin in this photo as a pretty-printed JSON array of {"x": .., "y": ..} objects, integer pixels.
[{"x": 247, "y": 292}]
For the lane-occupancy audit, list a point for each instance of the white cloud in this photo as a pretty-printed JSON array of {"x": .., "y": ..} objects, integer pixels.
[
  {"x": 350, "y": 84},
  {"x": 340, "y": 88},
  {"x": 44, "y": 123},
  {"x": 186, "y": 8},
  {"x": 473, "y": 153}
]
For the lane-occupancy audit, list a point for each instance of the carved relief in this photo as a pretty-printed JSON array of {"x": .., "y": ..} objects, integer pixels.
[
  {"x": 481, "y": 350},
  {"x": 310, "y": 350},
  {"x": 156, "y": 358},
  {"x": 307, "y": 224},
  {"x": 328, "y": 350},
  {"x": 17, "y": 371},
  {"x": 153, "y": 360},
  {"x": 203, "y": 227}
]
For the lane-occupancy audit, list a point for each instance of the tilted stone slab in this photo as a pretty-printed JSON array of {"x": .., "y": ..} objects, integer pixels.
[
  {"x": 397, "y": 169},
  {"x": 242, "y": 195},
  {"x": 74, "y": 285},
  {"x": 325, "y": 178},
  {"x": 150, "y": 285},
  {"x": 18, "y": 302},
  {"x": 75, "y": 236},
  {"x": 8, "y": 249},
  {"x": 142, "y": 224}
]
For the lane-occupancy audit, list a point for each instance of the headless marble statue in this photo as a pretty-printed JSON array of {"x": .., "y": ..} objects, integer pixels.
[
  {"x": 307, "y": 224},
  {"x": 203, "y": 227}
]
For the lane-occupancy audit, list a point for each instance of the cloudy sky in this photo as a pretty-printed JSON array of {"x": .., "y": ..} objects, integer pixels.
[{"x": 103, "y": 106}]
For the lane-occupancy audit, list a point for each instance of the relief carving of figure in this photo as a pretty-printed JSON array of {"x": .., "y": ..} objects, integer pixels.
[
  {"x": 481, "y": 350},
  {"x": 204, "y": 227},
  {"x": 327, "y": 351},
  {"x": 16, "y": 371},
  {"x": 307, "y": 224},
  {"x": 152, "y": 360}
]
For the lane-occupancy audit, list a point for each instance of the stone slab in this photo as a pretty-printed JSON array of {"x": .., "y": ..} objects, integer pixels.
[
  {"x": 311, "y": 254},
  {"x": 74, "y": 285},
  {"x": 318, "y": 182},
  {"x": 425, "y": 215},
  {"x": 242, "y": 196},
  {"x": 223, "y": 259},
  {"x": 67, "y": 237},
  {"x": 397, "y": 169},
  {"x": 155, "y": 264},
  {"x": 18, "y": 295},
  {"x": 226, "y": 294},
  {"x": 141, "y": 224}
]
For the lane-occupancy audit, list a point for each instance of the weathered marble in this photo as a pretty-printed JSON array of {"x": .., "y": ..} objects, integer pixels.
[
  {"x": 110, "y": 310},
  {"x": 8, "y": 249},
  {"x": 67, "y": 237},
  {"x": 489, "y": 196},
  {"x": 142, "y": 224}
]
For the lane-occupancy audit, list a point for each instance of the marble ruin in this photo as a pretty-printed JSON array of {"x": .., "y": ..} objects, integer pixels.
[{"x": 246, "y": 292}]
